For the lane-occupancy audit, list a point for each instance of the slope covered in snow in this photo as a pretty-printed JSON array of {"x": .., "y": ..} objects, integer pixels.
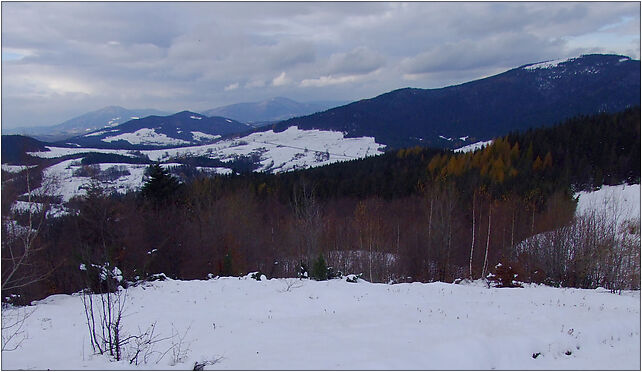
[
  {"x": 278, "y": 151},
  {"x": 245, "y": 324},
  {"x": 622, "y": 199}
]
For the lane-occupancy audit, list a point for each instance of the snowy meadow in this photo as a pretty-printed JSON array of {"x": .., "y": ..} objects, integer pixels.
[{"x": 242, "y": 323}]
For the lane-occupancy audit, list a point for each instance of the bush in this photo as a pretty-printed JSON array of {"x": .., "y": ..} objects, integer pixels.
[
  {"x": 258, "y": 275},
  {"x": 504, "y": 277}
]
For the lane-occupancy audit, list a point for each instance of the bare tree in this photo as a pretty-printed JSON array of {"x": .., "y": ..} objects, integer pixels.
[{"x": 20, "y": 270}]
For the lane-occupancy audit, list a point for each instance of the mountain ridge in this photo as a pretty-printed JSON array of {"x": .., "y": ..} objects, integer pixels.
[
  {"x": 184, "y": 128},
  {"x": 87, "y": 122},
  {"x": 532, "y": 95}
]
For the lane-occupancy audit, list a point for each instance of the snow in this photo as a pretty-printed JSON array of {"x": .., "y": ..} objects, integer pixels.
[
  {"x": 278, "y": 152},
  {"x": 445, "y": 138},
  {"x": 473, "y": 146},
  {"x": 54, "y": 210},
  {"x": 214, "y": 170},
  {"x": 623, "y": 199},
  {"x": 100, "y": 132},
  {"x": 16, "y": 168},
  {"x": 57, "y": 152},
  {"x": 283, "y": 151},
  {"x": 200, "y": 136},
  {"x": 228, "y": 120},
  {"x": 146, "y": 136},
  {"x": 624, "y": 59},
  {"x": 246, "y": 324},
  {"x": 61, "y": 181},
  {"x": 548, "y": 64},
  {"x": 195, "y": 117}
]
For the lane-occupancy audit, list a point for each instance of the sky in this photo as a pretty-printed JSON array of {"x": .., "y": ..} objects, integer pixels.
[{"x": 60, "y": 60}]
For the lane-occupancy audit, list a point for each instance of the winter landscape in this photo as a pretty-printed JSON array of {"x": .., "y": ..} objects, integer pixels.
[{"x": 467, "y": 199}]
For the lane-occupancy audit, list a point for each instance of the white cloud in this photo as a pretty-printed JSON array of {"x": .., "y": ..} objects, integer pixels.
[
  {"x": 232, "y": 86},
  {"x": 324, "y": 81},
  {"x": 281, "y": 80}
]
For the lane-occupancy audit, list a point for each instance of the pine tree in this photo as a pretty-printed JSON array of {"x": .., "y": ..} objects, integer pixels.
[{"x": 161, "y": 185}]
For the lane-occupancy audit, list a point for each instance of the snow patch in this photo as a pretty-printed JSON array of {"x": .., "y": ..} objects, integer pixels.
[
  {"x": 195, "y": 117},
  {"x": 146, "y": 136},
  {"x": 16, "y": 168},
  {"x": 200, "y": 136},
  {"x": 548, "y": 64},
  {"x": 473, "y": 146}
]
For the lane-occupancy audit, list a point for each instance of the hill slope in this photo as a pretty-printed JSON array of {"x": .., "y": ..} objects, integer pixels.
[
  {"x": 529, "y": 96},
  {"x": 180, "y": 129}
]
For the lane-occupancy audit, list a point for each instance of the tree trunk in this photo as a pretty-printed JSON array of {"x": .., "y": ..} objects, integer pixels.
[
  {"x": 472, "y": 245},
  {"x": 490, "y": 212}
]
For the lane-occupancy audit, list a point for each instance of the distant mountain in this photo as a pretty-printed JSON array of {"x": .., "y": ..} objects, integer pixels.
[
  {"x": 181, "y": 129},
  {"x": 108, "y": 116},
  {"x": 271, "y": 110},
  {"x": 533, "y": 95}
]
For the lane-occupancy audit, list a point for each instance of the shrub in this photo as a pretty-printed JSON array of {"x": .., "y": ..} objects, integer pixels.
[{"x": 504, "y": 276}]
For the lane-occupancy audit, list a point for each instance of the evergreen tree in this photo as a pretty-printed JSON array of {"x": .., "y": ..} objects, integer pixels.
[{"x": 160, "y": 186}]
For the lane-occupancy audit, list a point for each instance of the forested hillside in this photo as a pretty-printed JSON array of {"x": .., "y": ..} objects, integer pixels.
[
  {"x": 534, "y": 95},
  {"x": 415, "y": 214}
]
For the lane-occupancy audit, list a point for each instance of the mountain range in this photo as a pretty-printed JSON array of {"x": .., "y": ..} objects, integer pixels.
[
  {"x": 105, "y": 117},
  {"x": 533, "y": 95}
]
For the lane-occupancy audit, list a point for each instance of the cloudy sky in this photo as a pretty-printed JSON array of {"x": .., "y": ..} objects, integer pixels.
[{"x": 60, "y": 60}]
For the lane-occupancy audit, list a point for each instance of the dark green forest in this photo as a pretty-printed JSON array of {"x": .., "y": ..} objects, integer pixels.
[{"x": 415, "y": 214}]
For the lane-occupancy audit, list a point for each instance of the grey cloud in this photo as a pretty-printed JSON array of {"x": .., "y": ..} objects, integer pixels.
[
  {"x": 284, "y": 55},
  {"x": 172, "y": 56},
  {"x": 501, "y": 50},
  {"x": 360, "y": 60}
]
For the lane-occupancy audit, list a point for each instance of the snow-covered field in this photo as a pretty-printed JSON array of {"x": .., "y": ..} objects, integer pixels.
[
  {"x": 61, "y": 181},
  {"x": 279, "y": 152},
  {"x": 247, "y": 324},
  {"x": 623, "y": 200}
]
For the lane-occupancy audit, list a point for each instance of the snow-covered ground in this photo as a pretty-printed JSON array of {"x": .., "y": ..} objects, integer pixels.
[
  {"x": 146, "y": 136},
  {"x": 283, "y": 151},
  {"x": 15, "y": 168},
  {"x": 279, "y": 152},
  {"x": 61, "y": 181},
  {"x": 246, "y": 324},
  {"x": 624, "y": 200}
]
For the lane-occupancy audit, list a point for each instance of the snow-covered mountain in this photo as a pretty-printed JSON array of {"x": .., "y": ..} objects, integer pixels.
[
  {"x": 105, "y": 117},
  {"x": 270, "y": 110},
  {"x": 180, "y": 129}
]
